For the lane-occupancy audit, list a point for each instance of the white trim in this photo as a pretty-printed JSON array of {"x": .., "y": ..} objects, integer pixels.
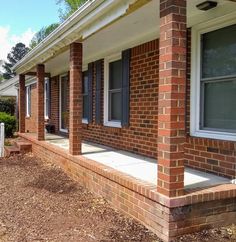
[
  {"x": 197, "y": 31},
  {"x": 88, "y": 19},
  {"x": 107, "y": 60},
  {"x": 62, "y": 130},
  {"x": 30, "y": 81}
]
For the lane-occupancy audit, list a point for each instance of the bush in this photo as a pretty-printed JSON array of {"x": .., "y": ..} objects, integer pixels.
[
  {"x": 10, "y": 124},
  {"x": 8, "y": 106}
]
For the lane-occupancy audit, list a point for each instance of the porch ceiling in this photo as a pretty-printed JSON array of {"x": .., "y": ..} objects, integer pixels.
[{"x": 135, "y": 28}]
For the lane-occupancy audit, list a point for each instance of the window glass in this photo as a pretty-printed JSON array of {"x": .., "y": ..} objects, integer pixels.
[
  {"x": 46, "y": 98},
  {"x": 219, "y": 105},
  {"x": 85, "y": 95},
  {"x": 219, "y": 52},
  {"x": 115, "y": 106},
  {"x": 115, "y": 82},
  {"x": 115, "y": 74},
  {"x": 28, "y": 101},
  {"x": 85, "y": 82}
]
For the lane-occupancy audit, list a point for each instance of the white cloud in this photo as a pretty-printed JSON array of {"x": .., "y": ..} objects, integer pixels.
[{"x": 8, "y": 40}]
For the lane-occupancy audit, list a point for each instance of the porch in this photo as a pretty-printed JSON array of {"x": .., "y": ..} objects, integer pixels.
[{"x": 133, "y": 165}]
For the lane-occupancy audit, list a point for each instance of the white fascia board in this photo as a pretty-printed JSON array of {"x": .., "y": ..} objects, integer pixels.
[{"x": 73, "y": 28}]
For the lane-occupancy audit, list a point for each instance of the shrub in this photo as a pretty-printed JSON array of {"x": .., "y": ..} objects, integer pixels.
[
  {"x": 10, "y": 124},
  {"x": 7, "y": 106}
]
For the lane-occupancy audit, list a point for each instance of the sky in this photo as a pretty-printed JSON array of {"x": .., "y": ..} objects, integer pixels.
[{"x": 21, "y": 19}]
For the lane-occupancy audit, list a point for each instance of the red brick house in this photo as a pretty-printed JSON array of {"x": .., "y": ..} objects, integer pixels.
[{"x": 141, "y": 81}]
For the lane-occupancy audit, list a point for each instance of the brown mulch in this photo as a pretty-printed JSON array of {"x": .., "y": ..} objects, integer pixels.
[{"x": 39, "y": 202}]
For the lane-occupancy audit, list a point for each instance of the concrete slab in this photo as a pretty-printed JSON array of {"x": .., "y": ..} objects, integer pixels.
[{"x": 138, "y": 166}]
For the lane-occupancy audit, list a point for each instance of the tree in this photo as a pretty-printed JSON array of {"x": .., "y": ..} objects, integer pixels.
[
  {"x": 16, "y": 54},
  {"x": 70, "y": 7},
  {"x": 42, "y": 34}
]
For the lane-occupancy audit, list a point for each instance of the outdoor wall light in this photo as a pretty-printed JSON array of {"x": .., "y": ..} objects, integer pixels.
[{"x": 204, "y": 6}]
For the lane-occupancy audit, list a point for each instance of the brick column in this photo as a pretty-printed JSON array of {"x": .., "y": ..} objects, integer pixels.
[
  {"x": 75, "y": 117},
  {"x": 21, "y": 104},
  {"x": 40, "y": 102},
  {"x": 171, "y": 104}
]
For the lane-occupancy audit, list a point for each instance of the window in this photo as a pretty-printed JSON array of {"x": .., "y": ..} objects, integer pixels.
[
  {"x": 46, "y": 98},
  {"x": 85, "y": 97},
  {"x": 213, "y": 99},
  {"x": 114, "y": 95},
  {"x": 218, "y": 79},
  {"x": 28, "y": 101}
]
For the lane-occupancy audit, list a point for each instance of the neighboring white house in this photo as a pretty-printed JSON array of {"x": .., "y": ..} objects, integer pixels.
[{"x": 8, "y": 87}]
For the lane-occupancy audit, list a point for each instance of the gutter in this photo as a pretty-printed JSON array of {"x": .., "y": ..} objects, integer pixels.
[
  {"x": 71, "y": 30},
  {"x": 81, "y": 12}
]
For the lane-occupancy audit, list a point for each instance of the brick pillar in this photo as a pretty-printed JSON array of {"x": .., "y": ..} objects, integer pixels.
[
  {"x": 40, "y": 102},
  {"x": 21, "y": 104},
  {"x": 171, "y": 103},
  {"x": 75, "y": 117}
]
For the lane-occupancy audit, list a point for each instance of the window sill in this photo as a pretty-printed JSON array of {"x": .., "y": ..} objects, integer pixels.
[
  {"x": 27, "y": 116},
  {"x": 84, "y": 121},
  {"x": 214, "y": 135},
  {"x": 113, "y": 124}
]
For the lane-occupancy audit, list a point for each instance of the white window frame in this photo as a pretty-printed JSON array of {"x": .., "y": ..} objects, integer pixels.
[
  {"x": 197, "y": 31},
  {"x": 46, "y": 98},
  {"x": 28, "y": 101},
  {"x": 61, "y": 130},
  {"x": 107, "y": 61}
]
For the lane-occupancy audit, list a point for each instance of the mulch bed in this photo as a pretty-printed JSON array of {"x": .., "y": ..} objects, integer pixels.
[{"x": 39, "y": 202}]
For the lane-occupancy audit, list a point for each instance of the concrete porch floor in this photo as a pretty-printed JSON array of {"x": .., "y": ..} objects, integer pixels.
[{"x": 137, "y": 166}]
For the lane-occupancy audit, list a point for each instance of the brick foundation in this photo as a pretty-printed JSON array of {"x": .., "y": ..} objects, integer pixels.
[{"x": 167, "y": 217}]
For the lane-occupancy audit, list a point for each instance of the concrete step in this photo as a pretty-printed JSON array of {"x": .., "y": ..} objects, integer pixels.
[
  {"x": 24, "y": 147},
  {"x": 11, "y": 150}
]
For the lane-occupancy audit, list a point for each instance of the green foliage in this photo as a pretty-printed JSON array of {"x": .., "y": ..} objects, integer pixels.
[
  {"x": 7, "y": 106},
  {"x": 16, "y": 54},
  {"x": 10, "y": 124},
  {"x": 70, "y": 7},
  {"x": 42, "y": 34}
]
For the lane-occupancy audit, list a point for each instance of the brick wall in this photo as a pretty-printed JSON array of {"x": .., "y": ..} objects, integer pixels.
[
  {"x": 30, "y": 122},
  {"x": 141, "y": 135},
  {"x": 216, "y": 156}
]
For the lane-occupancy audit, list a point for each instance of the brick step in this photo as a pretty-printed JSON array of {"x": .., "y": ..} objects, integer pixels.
[
  {"x": 11, "y": 150},
  {"x": 24, "y": 147}
]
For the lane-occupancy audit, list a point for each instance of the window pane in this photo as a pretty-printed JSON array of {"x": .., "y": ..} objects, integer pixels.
[
  {"x": 115, "y": 106},
  {"x": 85, "y": 107},
  {"x": 115, "y": 69},
  {"x": 85, "y": 82},
  {"x": 219, "y": 52},
  {"x": 219, "y": 105}
]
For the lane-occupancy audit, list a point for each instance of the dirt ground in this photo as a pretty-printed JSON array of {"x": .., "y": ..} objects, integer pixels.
[{"x": 39, "y": 202}]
